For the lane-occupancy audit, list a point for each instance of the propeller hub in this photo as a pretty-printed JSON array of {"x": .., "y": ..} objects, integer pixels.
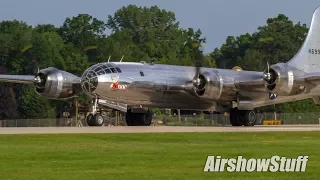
[
  {"x": 196, "y": 81},
  {"x": 267, "y": 76},
  {"x": 37, "y": 79},
  {"x": 40, "y": 80}
]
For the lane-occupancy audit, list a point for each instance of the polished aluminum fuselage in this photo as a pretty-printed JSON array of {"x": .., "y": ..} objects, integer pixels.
[{"x": 167, "y": 86}]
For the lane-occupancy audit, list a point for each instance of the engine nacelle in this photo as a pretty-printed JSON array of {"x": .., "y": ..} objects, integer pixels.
[
  {"x": 210, "y": 86},
  {"x": 56, "y": 84},
  {"x": 283, "y": 80}
]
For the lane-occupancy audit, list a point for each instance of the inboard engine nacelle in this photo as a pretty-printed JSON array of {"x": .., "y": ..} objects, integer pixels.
[
  {"x": 56, "y": 84},
  {"x": 210, "y": 86},
  {"x": 282, "y": 80}
]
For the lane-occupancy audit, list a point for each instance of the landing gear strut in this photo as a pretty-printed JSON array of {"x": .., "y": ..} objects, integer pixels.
[
  {"x": 138, "y": 119},
  {"x": 95, "y": 118},
  {"x": 243, "y": 117}
]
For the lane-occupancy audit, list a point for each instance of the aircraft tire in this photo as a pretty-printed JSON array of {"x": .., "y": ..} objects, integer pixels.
[
  {"x": 89, "y": 119},
  {"x": 235, "y": 118},
  {"x": 97, "y": 120},
  {"x": 250, "y": 117},
  {"x": 146, "y": 119},
  {"x": 129, "y": 119},
  {"x": 138, "y": 119}
]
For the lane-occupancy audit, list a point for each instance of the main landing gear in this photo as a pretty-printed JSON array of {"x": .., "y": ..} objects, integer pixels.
[
  {"x": 138, "y": 119},
  {"x": 95, "y": 118},
  {"x": 243, "y": 117}
]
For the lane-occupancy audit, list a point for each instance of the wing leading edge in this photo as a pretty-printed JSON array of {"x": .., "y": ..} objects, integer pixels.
[{"x": 19, "y": 79}]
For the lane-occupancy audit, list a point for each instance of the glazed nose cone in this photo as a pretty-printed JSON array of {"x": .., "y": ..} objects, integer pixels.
[{"x": 89, "y": 81}]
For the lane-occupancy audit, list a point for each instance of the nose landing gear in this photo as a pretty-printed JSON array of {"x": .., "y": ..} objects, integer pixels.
[{"x": 95, "y": 118}]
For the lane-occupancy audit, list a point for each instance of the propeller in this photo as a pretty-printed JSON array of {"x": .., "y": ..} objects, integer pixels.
[
  {"x": 198, "y": 81},
  {"x": 40, "y": 78},
  {"x": 198, "y": 49},
  {"x": 268, "y": 76}
]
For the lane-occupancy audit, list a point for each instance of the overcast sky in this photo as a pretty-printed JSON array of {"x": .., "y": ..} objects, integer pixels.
[{"x": 217, "y": 19}]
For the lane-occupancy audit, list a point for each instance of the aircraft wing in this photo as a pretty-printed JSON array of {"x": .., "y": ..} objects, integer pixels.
[
  {"x": 20, "y": 79},
  {"x": 250, "y": 82},
  {"x": 313, "y": 77},
  {"x": 256, "y": 83}
]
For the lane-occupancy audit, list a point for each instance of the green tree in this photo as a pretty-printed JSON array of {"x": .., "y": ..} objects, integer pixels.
[
  {"x": 277, "y": 41},
  {"x": 31, "y": 105},
  {"x": 153, "y": 34},
  {"x": 75, "y": 62},
  {"x": 119, "y": 44},
  {"x": 14, "y": 37},
  {"x": 41, "y": 28},
  {"x": 235, "y": 48},
  {"x": 8, "y": 106},
  {"x": 82, "y": 30},
  {"x": 46, "y": 48},
  {"x": 209, "y": 61}
]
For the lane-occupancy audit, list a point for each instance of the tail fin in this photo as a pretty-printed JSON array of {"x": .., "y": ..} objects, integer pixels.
[{"x": 308, "y": 57}]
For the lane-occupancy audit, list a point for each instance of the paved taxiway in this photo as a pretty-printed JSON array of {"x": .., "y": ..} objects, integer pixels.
[{"x": 153, "y": 129}]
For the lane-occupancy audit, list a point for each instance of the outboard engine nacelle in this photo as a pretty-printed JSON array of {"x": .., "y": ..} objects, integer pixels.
[
  {"x": 56, "y": 84},
  {"x": 281, "y": 79}
]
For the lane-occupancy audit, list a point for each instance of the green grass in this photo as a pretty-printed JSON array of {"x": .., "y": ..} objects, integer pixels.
[{"x": 149, "y": 156}]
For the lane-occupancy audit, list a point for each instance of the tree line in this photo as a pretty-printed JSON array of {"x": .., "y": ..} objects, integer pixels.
[{"x": 138, "y": 33}]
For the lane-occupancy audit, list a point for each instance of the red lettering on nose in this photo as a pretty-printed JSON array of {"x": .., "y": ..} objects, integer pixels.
[{"x": 115, "y": 85}]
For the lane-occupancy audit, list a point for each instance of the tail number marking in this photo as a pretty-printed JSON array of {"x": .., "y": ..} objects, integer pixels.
[{"x": 314, "y": 51}]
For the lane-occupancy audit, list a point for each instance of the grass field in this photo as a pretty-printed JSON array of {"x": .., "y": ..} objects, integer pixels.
[{"x": 150, "y": 156}]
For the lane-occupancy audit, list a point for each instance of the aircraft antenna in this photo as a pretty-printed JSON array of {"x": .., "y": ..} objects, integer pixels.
[
  {"x": 109, "y": 58},
  {"x": 121, "y": 58}
]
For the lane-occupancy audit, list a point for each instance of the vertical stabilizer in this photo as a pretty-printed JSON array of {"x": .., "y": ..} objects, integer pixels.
[{"x": 308, "y": 57}]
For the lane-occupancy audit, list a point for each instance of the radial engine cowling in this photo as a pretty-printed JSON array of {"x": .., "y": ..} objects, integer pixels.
[
  {"x": 283, "y": 80},
  {"x": 56, "y": 84},
  {"x": 208, "y": 85}
]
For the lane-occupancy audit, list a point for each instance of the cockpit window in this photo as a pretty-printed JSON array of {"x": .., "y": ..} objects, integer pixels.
[
  {"x": 90, "y": 74},
  {"x": 98, "y": 69},
  {"x": 101, "y": 72},
  {"x": 104, "y": 67},
  {"x": 118, "y": 69},
  {"x": 107, "y": 71},
  {"x": 113, "y": 70}
]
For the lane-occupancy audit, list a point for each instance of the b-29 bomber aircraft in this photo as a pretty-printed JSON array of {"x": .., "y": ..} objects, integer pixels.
[{"x": 134, "y": 87}]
